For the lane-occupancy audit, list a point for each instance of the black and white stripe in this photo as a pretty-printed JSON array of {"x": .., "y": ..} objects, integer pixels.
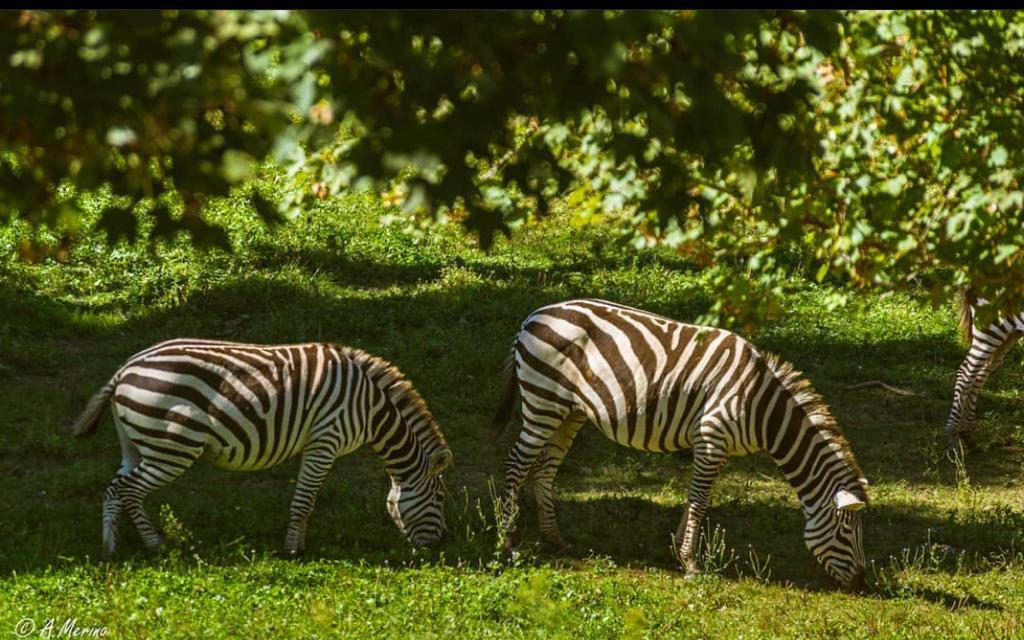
[
  {"x": 247, "y": 407},
  {"x": 654, "y": 384},
  {"x": 989, "y": 347}
]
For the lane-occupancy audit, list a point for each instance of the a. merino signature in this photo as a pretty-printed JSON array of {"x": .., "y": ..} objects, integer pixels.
[{"x": 55, "y": 628}]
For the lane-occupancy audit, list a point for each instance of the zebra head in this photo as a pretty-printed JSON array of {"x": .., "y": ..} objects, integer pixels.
[
  {"x": 417, "y": 503},
  {"x": 834, "y": 535}
]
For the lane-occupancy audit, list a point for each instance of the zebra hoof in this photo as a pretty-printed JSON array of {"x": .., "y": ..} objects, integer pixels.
[
  {"x": 961, "y": 443},
  {"x": 109, "y": 545},
  {"x": 289, "y": 554},
  {"x": 692, "y": 574},
  {"x": 558, "y": 545},
  {"x": 155, "y": 548},
  {"x": 968, "y": 441}
]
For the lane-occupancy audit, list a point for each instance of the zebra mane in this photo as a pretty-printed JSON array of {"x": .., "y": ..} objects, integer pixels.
[
  {"x": 402, "y": 393},
  {"x": 818, "y": 412}
]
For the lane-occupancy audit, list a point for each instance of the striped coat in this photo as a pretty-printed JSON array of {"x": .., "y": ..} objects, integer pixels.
[
  {"x": 989, "y": 346},
  {"x": 654, "y": 384},
  {"x": 247, "y": 407}
]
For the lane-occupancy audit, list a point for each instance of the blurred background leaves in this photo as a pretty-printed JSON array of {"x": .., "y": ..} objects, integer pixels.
[{"x": 878, "y": 149}]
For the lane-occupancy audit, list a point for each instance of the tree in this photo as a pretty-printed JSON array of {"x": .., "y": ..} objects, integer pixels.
[
  {"x": 923, "y": 116},
  {"x": 876, "y": 147},
  {"x": 163, "y": 107}
]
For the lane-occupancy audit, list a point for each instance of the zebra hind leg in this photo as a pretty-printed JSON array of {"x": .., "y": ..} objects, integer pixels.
[
  {"x": 135, "y": 486},
  {"x": 112, "y": 503},
  {"x": 544, "y": 472},
  {"x": 112, "y": 508},
  {"x": 533, "y": 438}
]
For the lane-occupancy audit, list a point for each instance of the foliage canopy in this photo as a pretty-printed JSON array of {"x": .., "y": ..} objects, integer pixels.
[{"x": 879, "y": 147}]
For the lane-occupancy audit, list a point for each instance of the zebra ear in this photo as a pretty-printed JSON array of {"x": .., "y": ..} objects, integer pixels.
[
  {"x": 440, "y": 461},
  {"x": 846, "y": 501}
]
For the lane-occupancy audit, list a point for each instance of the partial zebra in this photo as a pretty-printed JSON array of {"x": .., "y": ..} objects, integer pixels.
[
  {"x": 654, "y": 384},
  {"x": 246, "y": 407},
  {"x": 988, "y": 350}
]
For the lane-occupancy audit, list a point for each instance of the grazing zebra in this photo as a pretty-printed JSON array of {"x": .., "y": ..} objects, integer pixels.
[
  {"x": 654, "y": 384},
  {"x": 988, "y": 349},
  {"x": 246, "y": 407}
]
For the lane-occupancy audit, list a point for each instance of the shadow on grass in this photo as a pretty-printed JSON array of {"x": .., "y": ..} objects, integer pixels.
[
  {"x": 754, "y": 535},
  {"x": 952, "y": 601},
  {"x": 450, "y": 338},
  {"x": 350, "y": 525}
]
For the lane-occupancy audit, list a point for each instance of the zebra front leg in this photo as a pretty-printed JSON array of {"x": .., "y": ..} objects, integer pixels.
[
  {"x": 521, "y": 459},
  {"x": 544, "y": 472},
  {"x": 986, "y": 355},
  {"x": 707, "y": 460},
  {"x": 316, "y": 463}
]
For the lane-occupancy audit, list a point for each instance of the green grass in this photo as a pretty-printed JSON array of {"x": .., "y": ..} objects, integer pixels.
[{"x": 946, "y": 545}]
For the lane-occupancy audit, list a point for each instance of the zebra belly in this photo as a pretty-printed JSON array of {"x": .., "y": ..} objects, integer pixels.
[
  {"x": 645, "y": 434},
  {"x": 232, "y": 457},
  {"x": 672, "y": 442}
]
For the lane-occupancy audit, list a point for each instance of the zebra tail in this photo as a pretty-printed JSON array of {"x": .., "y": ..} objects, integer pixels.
[
  {"x": 86, "y": 422},
  {"x": 968, "y": 299},
  {"x": 509, "y": 395}
]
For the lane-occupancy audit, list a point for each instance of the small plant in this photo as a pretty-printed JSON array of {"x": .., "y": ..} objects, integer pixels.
[
  {"x": 713, "y": 555},
  {"x": 462, "y": 505},
  {"x": 175, "y": 532},
  {"x": 501, "y": 523},
  {"x": 635, "y": 624},
  {"x": 967, "y": 496},
  {"x": 546, "y": 612},
  {"x": 933, "y": 455},
  {"x": 762, "y": 569},
  {"x": 929, "y": 557},
  {"x": 956, "y": 456}
]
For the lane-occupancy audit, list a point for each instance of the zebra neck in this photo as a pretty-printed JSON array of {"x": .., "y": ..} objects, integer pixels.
[
  {"x": 810, "y": 459},
  {"x": 405, "y": 469},
  {"x": 398, "y": 447}
]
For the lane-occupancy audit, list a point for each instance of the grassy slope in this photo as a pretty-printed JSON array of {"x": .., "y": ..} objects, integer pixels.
[{"x": 947, "y": 548}]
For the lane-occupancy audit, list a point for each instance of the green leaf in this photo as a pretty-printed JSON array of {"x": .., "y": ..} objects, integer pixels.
[
  {"x": 1004, "y": 252},
  {"x": 237, "y": 166},
  {"x": 998, "y": 156},
  {"x": 822, "y": 272}
]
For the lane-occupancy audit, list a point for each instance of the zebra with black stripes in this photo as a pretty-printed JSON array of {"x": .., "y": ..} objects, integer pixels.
[
  {"x": 246, "y": 407},
  {"x": 655, "y": 384},
  {"x": 989, "y": 347}
]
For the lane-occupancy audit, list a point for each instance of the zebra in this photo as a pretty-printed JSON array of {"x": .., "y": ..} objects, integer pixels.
[
  {"x": 989, "y": 347},
  {"x": 246, "y": 407},
  {"x": 655, "y": 384}
]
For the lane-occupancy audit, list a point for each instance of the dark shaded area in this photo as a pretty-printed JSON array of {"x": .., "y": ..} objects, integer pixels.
[
  {"x": 591, "y": 252},
  {"x": 954, "y": 602},
  {"x": 451, "y": 342},
  {"x": 635, "y": 532}
]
